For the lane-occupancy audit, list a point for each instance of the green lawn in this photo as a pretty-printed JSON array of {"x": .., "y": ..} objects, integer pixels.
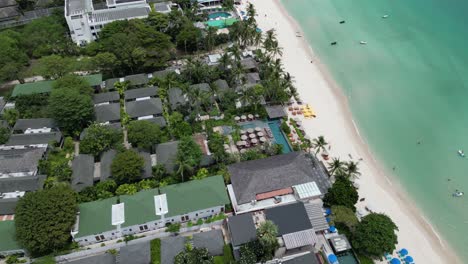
[{"x": 156, "y": 251}]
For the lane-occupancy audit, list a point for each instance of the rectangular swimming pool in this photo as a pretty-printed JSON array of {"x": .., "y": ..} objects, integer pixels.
[{"x": 279, "y": 136}]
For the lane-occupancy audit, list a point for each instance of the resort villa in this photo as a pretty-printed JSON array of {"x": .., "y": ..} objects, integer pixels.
[{"x": 147, "y": 210}]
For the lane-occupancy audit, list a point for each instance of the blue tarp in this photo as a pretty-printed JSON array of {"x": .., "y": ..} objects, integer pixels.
[
  {"x": 332, "y": 258},
  {"x": 395, "y": 261},
  {"x": 409, "y": 259}
]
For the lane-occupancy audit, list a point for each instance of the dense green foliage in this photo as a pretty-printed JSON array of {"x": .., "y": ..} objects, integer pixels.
[
  {"x": 32, "y": 105},
  {"x": 266, "y": 235},
  {"x": 216, "y": 143},
  {"x": 99, "y": 138},
  {"x": 44, "y": 219},
  {"x": 73, "y": 111},
  {"x": 56, "y": 167},
  {"x": 126, "y": 189},
  {"x": 194, "y": 256},
  {"x": 178, "y": 127},
  {"x": 188, "y": 157},
  {"x": 144, "y": 134},
  {"x": 74, "y": 82},
  {"x": 155, "y": 251},
  {"x": 101, "y": 190},
  {"x": 4, "y": 135},
  {"x": 375, "y": 235},
  {"x": 127, "y": 167},
  {"x": 343, "y": 193},
  {"x": 10, "y": 115},
  {"x": 247, "y": 255}
]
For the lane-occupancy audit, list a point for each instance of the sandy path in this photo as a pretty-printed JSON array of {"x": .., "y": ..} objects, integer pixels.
[{"x": 334, "y": 121}]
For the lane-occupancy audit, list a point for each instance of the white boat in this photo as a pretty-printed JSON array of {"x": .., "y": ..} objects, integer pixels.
[
  {"x": 363, "y": 42},
  {"x": 461, "y": 153},
  {"x": 384, "y": 16},
  {"x": 458, "y": 194}
]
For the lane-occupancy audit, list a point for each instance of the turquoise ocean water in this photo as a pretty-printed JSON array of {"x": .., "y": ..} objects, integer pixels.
[{"x": 408, "y": 84}]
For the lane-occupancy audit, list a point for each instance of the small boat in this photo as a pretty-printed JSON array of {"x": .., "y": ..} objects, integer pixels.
[
  {"x": 333, "y": 43},
  {"x": 363, "y": 42},
  {"x": 461, "y": 153},
  {"x": 458, "y": 194},
  {"x": 342, "y": 22},
  {"x": 384, "y": 16}
]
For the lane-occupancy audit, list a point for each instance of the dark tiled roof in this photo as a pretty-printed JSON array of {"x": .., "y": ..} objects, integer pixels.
[
  {"x": 106, "y": 97},
  {"x": 249, "y": 63},
  {"x": 106, "y": 162},
  {"x": 83, "y": 172},
  {"x": 275, "y": 111},
  {"x": 176, "y": 97},
  {"x": 221, "y": 84},
  {"x": 111, "y": 82},
  {"x": 8, "y": 206},
  {"x": 33, "y": 139},
  {"x": 24, "y": 124},
  {"x": 250, "y": 178},
  {"x": 289, "y": 218},
  {"x": 170, "y": 247},
  {"x": 242, "y": 229},
  {"x": 147, "y": 168},
  {"x": 137, "y": 79},
  {"x": 212, "y": 240},
  {"x": 140, "y": 93},
  {"x": 152, "y": 106},
  {"x": 22, "y": 184},
  {"x": 253, "y": 77},
  {"x": 201, "y": 86},
  {"x": 309, "y": 258},
  {"x": 107, "y": 112},
  {"x": 106, "y": 258},
  {"x": 159, "y": 120},
  {"x": 163, "y": 73},
  {"x": 8, "y": 12},
  {"x": 20, "y": 160},
  {"x": 138, "y": 253},
  {"x": 166, "y": 154}
]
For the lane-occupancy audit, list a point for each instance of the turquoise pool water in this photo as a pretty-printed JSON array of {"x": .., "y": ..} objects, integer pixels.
[
  {"x": 219, "y": 14},
  {"x": 347, "y": 258},
  {"x": 279, "y": 136}
]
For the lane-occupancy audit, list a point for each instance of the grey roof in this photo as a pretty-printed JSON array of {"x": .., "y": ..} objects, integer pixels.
[
  {"x": 163, "y": 73},
  {"x": 83, "y": 172},
  {"x": 33, "y": 139},
  {"x": 2, "y": 103},
  {"x": 166, "y": 154},
  {"x": 36, "y": 123},
  {"x": 77, "y": 6},
  {"x": 147, "y": 168},
  {"x": 289, "y": 218},
  {"x": 22, "y": 184},
  {"x": 20, "y": 160},
  {"x": 212, "y": 240},
  {"x": 136, "y": 109},
  {"x": 138, "y": 253},
  {"x": 107, "y": 112},
  {"x": 249, "y": 63},
  {"x": 170, "y": 247},
  {"x": 112, "y": 14},
  {"x": 309, "y": 258},
  {"x": 300, "y": 239},
  {"x": 8, "y": 206},
  {"x": 8, "y": 12},
  {"x": 250, "y": 178},
  {"x": 275, "y": 111},
  {"x": 242, "y": 229},
  {"x": 253, "y": 77},
  {"x": 106, "y": 97},
  {"x": 159, "y": 120},
  {"x": 176, "y": 97},
  {"x": 204, "y": 87},
  {"x": 221, "y": 84},
  {"x": 340, "y": 243},
  {"x": 316, "y": 217},
  {"x": 141, "y": 92},
  {"x": 162, "y": 7},
  {"x": 111, "y": 82},
  {"x": 137, "y": 79},
  {"x": 106, "y": 258},
  {"x": 4, "y": 3},
  {"x": 106, "y": 162}
]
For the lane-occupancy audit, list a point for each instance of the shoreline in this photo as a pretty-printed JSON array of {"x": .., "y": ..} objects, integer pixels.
[{"x": 317, "y": 87}]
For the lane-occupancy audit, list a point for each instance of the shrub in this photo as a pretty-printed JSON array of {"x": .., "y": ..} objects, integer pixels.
[
  {"x": 155, "y": 251},
  {"x": 173, "y": 228},
  {"x": 286, "y": 129}
]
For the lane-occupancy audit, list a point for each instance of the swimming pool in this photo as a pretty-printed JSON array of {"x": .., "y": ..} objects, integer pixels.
[
  {"x": 279, "y": 136},
  {"x": 219, "y": 14},
  {"x": 222, "y": 23},
  {"x": 347, "y": 258}
]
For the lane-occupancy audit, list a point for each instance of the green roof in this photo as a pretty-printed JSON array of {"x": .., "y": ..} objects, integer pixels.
[
  {"x": 95, "y": 217},
  {"x": 46, "y": 86},
  {"x": 8, "y": 236}
]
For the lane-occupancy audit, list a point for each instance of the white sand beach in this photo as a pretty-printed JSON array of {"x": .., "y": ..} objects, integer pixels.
[{"x": 334, "y": 121}]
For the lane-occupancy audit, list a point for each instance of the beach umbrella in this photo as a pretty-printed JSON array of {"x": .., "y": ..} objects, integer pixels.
[
  {"x": 262, "y": 139},
  {"x": 252, "y": 136},
  {"x": 403, "y": 252},
  {"x": 258, "y": 129},
  {"x": 242, "y": 131},
  {"x": 332, "y": 229},
  {"x": 254, "y": 141},
  {"x": 260, "y": 134},
  {"x": 250, "y": 130},
  {"x": 409, "y": 259},
  {"x": 244, "y": 137},
  {"x": 332, "y": 258},
  {"x": 328, "y": 211},
  {"x": 250, "y": 116},
  {"x": 243, "y": 117},
  {"x": 239, "y": 143},
  {"x": 237, "y": 118},
  {"x": 395, "y": 261}
]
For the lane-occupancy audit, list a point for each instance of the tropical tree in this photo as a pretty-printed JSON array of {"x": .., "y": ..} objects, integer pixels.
[
  {"x": 127, "y": 167},
  {"x": 188, "y": 156},
  {"x": 375, "y": 235},
  {"x": 44, "y": 218},
  {"x": 126, "y": 189},
  {"x": 352, "y": 169},
  {"x": 210, "y": 38},
  {"x": 267, "y": 234},
  {"x": 216, "y": 145},
  {"x": 4, "y": 135},
  {"x": 343, "y": 193},
  {"x": 144, "y": 134},
  {"x": 336, "y": 166},
  {"x": 319, "y": 144},
  {"x": 99, "y": 138},
  {"x": 247, "y": 256},
  {"x": 194, "y": 256}
]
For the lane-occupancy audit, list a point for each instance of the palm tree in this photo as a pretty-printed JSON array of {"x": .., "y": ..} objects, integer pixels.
[
  {"x": 275, "y": 49},
  {"x": 246, "y": 97},
  {"x": 336, "y": 166},
  {"x": 210, "y": 37},
  {"x": 225, "y": 61},
  {"x": 267, "y": 233},
  {"x": 319, "y": 144},
  {"x": 184, "y": 166},
  {"x": 352, "y": 170}
]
